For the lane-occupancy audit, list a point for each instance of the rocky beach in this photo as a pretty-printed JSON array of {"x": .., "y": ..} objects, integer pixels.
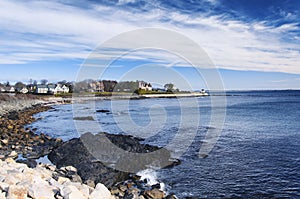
[{"x": 75, "y": 172}]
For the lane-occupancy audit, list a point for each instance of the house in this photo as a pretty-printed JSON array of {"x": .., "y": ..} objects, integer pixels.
[
  {"x": 11, "y": 89},
  {"x": 58, "y": 89},
  {"x": 61, "y": 89},
  {"x": 2, "y": 89},
  {"x": 41, "y": 89},
  {"x": 51, "y": 88},
  {"x": 145, "y": 86},
  {"x": 24, "y": 90},
  {"x": 65, "y": 89}
]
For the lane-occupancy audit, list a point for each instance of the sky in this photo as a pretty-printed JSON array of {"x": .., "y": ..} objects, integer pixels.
[{"x": 250, "y": 44}]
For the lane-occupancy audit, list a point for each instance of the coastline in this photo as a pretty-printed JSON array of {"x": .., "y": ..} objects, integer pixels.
[
  {"x": 88, "y": 97},
  {"x": 24, "y": 146}
]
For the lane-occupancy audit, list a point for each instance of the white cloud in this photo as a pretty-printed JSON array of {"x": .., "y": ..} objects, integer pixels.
[
  {"x": 121, "y": 2},
  {"x": 52, "y": 30}
]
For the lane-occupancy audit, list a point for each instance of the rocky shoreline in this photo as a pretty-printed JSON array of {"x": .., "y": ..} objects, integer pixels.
[{"x": 86, "y": 175}]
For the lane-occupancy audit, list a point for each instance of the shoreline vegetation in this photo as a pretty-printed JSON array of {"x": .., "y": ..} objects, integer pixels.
[
  {"x": 75, "y": 175},
  {"x": 120, "y": 95}
]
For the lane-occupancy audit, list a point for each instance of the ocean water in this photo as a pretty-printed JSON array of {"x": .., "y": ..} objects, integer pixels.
[{"x": 257, "y": 154}]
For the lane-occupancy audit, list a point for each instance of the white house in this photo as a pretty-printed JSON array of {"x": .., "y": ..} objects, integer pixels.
[
  {"x": 58, "y": 89},
  {"x": 12, "y": 89},
  {"x": 2, "y": 89},
  {"x": 41, "y": 89},
  {"x": 24, "y": 90},
  {"x": 65, "y": 89},
  {"x": 145, "y": 86},
  {"x": 61, "y": 89}
]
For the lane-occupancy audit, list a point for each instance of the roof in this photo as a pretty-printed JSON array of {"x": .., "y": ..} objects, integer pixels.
[{"x": 41, "y": 86}]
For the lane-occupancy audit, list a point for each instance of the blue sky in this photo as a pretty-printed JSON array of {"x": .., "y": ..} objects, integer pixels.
[{"x": 254, "y": 44}]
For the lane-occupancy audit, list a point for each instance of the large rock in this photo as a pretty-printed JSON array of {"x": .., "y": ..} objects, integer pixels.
[
  {"x": 17, "y": 192},
  {"x": 40, "y": 189},
  {"x": 155, "y": 194},
  {"x": 100, "y": 192},
  {"x": 71, "y": 192},
  {"x": 108, "y": 159}
]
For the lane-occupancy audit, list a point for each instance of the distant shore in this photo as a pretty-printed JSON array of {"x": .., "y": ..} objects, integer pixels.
[{"x": 117, "y": 96}]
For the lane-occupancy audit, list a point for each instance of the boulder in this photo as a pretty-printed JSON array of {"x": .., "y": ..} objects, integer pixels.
[
  {"x": 4, "y": 186},
  {"x": 42, "y": 192},
  {"x": 16, "y": 192},
  {"x": 102, "y": 111},
  {"x": 4, "y": 141},
  {"x": 100, "y": 192},
  {"x": 97, "y": 161},
  {"x": 2, "y": 195},
  {"x": 71, "y": 192},
  {"x": 154, "y": 194},
  {"x": 62, "y": 180}
]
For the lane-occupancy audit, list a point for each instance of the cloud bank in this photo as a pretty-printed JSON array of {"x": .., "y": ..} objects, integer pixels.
[{"x": 34, "y": 31}]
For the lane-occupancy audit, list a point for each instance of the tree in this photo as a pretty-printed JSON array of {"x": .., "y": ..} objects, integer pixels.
[
  {"x": 169, "y": 87},
  {"x": 7, "y": 84},
  {"x": 71, "y": 86},
  {"x": 64, "y": 82},
  {"x": 19, "y": 86},
  {"x": 44, "y": 81}
]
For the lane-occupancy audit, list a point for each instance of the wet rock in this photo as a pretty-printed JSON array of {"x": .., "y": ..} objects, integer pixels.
[
  {"x": 171, "y": 196},
  {"x": 13, "y": 137},
  {"x": 97, "y": 166},
  {"x": 156, "y": 186},
  {"x": 4, "y": 141},
  {"x": 84, "y": 118},
  {"x": 154, "y": 194},
  {"x": 102, "y": 111},
  {"x": 123, "y": 188},
  {"x": 13, "y": 154},
  {"x": 29, "y": 162},
  {"x": 203, "y": 155}
]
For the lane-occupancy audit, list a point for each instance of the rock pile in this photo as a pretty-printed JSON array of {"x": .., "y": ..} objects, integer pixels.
[
  {"x": 18, "y": 102},
  {"x": 15, "y": 140},
  {"x": 18, "y": 181}
]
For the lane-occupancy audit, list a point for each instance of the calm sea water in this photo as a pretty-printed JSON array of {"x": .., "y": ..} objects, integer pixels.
[{"x": 256, "y": 156}]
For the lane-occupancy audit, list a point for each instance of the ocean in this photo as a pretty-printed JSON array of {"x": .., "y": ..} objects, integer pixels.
[{"x": 256, "y": 155}]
